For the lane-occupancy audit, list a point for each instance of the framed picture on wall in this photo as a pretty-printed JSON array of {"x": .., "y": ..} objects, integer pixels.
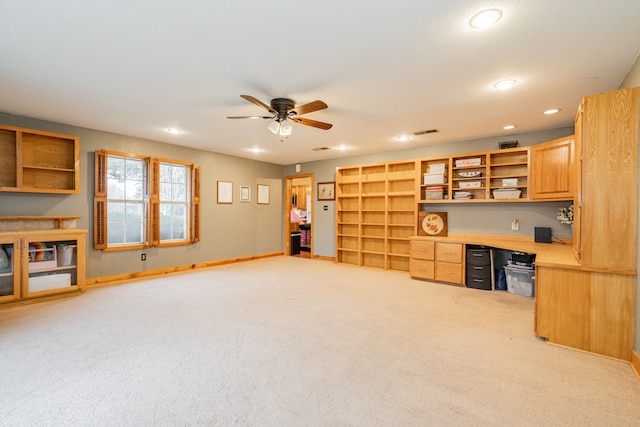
[
  {"x": 225, "y": 192},
  {"x": 326, "y": 190},
  {"x": 263, "y": 194},
  {"x": 245, "y": 193}
]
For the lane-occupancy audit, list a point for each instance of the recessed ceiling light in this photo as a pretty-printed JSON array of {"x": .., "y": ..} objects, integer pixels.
[
  {"x": 403, "y": 138},
  {"x": 255, "y": 150},
  {"x": 508, "y": 127},
  {"x": 175, "y": 131},
  {"x": 551, "y": 111},
  {"x": 342, "y": 147},
  {"x": 505, "y": 84},
  {"x": 485, "y": 19}
]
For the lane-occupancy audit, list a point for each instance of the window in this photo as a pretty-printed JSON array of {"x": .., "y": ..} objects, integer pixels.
[
  {"x": 174, "y": 206},
  {"x": 141, "y": 202},
  {"x": 127, "y": 210}
]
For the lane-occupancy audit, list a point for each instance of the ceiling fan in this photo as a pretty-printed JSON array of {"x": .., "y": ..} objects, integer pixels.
[{"x": 283, "y": 109}]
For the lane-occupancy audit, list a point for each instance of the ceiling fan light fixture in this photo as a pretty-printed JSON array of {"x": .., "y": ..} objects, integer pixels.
[
  {"x": 274, "y": 127},
  {"x": 285, "y": 129}
]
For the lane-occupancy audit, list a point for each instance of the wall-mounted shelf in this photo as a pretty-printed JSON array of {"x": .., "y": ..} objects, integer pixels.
[{"x": 34, "y": 161}]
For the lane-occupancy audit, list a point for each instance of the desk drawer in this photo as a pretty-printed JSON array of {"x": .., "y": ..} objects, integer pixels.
[
  {"x": 449, "y": 252},
  {"x": 449, "y": 272},
  {"x": 422, "y": 269},
  {"x": 422, "y": 250}
]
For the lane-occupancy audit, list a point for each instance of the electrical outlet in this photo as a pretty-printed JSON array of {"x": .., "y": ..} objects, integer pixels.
[
  {"x": 143, "y": 257},
  {"x": 515, "y": 225}
]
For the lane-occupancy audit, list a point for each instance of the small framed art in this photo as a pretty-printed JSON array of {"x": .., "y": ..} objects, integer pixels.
[
  {"x": 225, "y": 192},
  {"x": 263, "y": 194},
  {"x": 245, "y": 193},
  {"x": 432, "y": 224},
  {"x": 326, "y": 191}
]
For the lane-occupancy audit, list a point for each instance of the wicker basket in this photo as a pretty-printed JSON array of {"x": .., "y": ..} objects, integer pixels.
[{"x": 506, "y": 194}]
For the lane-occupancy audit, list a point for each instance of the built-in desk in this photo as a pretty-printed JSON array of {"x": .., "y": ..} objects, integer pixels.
[{"x": 585, "y": 308}]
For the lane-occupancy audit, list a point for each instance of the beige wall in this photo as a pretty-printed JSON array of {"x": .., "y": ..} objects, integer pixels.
[
  {"x": 491, "y": 218},
  {"x": 632, "y": 80},
  {"x": 227, "y": 230},
  {"x": 633, "y": 76}
]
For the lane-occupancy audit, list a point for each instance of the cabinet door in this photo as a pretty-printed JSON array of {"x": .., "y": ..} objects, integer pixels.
[
  {"x": 50, "y": 266},
  {"x": 551, "y": 170},
  {"x": 9, "y": 269},
  {"x": 609, "y": 197}
]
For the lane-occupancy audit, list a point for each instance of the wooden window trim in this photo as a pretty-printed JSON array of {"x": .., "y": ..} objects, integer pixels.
[{"x": 152, "y": 189}]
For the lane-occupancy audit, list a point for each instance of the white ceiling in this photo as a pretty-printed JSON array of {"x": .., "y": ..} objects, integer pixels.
[{"x": 138, "y": 67}]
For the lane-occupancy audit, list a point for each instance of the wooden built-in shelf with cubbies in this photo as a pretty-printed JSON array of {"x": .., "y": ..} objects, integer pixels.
[
  {"x": 34, "y": 161},
  {"x": 376, "y": 214},
  {"x": 479, "y": 175}
]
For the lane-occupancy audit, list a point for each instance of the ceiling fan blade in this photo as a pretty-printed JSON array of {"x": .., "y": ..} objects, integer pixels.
[
  {"x": 250, "y": 117},
  {"x": 258, "y": 103},
  {"x": 310, "y": 107},
  {"x": 314, "y": 123}
]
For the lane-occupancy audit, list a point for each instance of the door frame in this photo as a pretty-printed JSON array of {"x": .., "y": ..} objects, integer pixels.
[{"x": 288, "y": 204}]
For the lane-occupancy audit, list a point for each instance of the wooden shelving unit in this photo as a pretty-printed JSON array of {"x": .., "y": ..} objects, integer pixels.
[
  {"x": 376, "y": 214},
  {"x": 479, "y": 174},
  {"x": 509, "y": 165},
  {"x": 28, "y": 278},
  {"x": 38, "y": 162}
]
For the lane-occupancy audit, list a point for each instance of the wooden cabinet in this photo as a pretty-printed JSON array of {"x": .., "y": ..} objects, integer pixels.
[
  {"x": 423, "y": 256},
  {"x": 376, "y": 214},
  {"x": 41, "y": 263},
  {"x": 588, "y": 310},
  {"x": 607, "y": 196},
  {"x": 440, "y": 261},
  {"x": 38, "y": 162},
  {"x": 552, "y": 170}
]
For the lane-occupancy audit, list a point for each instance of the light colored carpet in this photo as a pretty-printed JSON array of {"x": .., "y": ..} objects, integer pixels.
[{"x": 294, "y": 342}]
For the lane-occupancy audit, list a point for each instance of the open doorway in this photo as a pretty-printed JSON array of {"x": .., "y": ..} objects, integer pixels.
[{"x": 299, "y": 216}]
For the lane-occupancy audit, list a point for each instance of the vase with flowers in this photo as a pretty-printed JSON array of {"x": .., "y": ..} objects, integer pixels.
[{"x": 565, "y": 216}]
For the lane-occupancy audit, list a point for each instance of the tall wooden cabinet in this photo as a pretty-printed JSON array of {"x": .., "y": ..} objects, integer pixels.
[
  {"x": 592, "y": 307},
  {"x": 607, "y": 192},
  {"x": 376, "y": 214}
]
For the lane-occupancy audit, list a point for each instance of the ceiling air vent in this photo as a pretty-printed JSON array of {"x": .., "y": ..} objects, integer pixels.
[
  {"x": 425, "y": 132},
  {"x": 320, "y": 148}
]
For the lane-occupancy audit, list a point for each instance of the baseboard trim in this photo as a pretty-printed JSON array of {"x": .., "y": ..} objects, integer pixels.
[
  {"x": 635, "y": 363},
  {"x": 324, "y": 258},
  {"x": 118, "y": 278}
]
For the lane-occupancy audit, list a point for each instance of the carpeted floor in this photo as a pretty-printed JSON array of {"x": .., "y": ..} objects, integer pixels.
[{"x": 287, "y": 341}]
